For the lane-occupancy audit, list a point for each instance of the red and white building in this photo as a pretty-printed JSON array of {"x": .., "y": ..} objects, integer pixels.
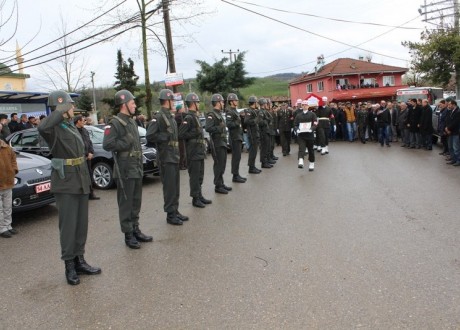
[{"x": 347, "y": 79}]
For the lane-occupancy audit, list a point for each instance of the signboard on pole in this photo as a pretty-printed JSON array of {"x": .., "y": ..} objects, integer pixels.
[{"x": 173, "y": 79}]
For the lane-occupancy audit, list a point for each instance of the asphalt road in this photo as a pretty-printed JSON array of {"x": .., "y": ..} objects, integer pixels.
[{"x": 370, "y": 239}]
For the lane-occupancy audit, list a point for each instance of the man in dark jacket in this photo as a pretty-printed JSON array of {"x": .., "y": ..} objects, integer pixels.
[
  {"x": 79, "y": 122},
  {"x": 413, "y": 123},
  {"x": 452, "y": 131},
  {"x": 442, "y": 107},
  {"x": 4, "y": 129},
  {"x": 426, "y": 125},
  {"x": 383, "y": 124}
]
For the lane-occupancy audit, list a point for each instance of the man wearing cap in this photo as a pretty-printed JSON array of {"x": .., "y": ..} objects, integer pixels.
[
  {"x": 163, "y": 132},
  {"x": 233, "y": 121},
  {"x": 285, "y": 120},
  {"x": 215, "y": 126},
  {"x": 192, "y": 134},
  {"x": 305, "y": 124},
  {"x": 69, "y": 183},
  {"x": 121, "y": 137},
  {"x": 324, "y": 114}
]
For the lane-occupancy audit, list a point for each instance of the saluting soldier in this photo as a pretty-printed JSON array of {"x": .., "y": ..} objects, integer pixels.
[
  {"x": 163, "y": 132},
  {"x": 235, "y": 130},
  {"x": 121, "y": 137},
  {"x": 252, "y": 127},
  {"x": 285, "y": 120},
  {"x": 192, "y": 133},
  {"x": 215, "y": 126},
  {"x": 70, "y": 183}
]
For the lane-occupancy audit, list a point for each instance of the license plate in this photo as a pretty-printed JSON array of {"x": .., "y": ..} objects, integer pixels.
[{"x": 43, "y": 187}]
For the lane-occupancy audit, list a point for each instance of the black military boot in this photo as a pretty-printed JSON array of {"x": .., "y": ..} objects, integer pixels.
[
  {"x": 82, "y": 267},
  {"x": 238, "y": 179},
  {"x": 275, "y": 158},
  {"x": 221, "y": 190},
  {"x": 181, "y": 217},
  {"x": 70, "y": 273},
  {"x": 196, "y": 201},
  {"x": 131, "y": 241},
  {"x": 172, "y": 219},
  {"x": 204, "y": 200},
  {"x": 254, "y": 170},
  {"x": 266, "y": 165},
  {"x": 227, "y": 188},
  {"x": 140, "y": 236}
]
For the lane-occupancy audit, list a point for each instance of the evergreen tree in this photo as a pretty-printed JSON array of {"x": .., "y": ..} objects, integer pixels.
[
  {"x": 223, "y": 78},
  {"x": 85, "y": 101}
]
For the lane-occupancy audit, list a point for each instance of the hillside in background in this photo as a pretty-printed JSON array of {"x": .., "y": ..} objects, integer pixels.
[{"x": 267, "y": 86}]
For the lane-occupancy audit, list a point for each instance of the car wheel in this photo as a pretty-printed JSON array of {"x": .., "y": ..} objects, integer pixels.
[{"x": 103, "y": 175}]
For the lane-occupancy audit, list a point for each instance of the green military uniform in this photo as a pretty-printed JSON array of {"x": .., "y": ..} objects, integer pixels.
[
  {"x": 285, "y": 118},
  {"x": 362, "y": 115},
  {"x": 162, "y": 131},
  {"x": 216, "y": 127},
  {"x": 273, "y": 123},
  {"x": 233, "y": 121},
  {"x": 70, "y": 181},
  {"x": 251, "y": 123},
  {"x": 121, "y": 137},
  {"x": 264, "y": 122},
  {"x": 192, "y": 133}
]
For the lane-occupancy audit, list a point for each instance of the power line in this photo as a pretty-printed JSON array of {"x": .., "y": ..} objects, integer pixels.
[
  {"x": 69, "y": 33},
  {"x": 332, "y": 55},
  {"x": 313, "y": 33},
  {"x": 327, "y": 18}
]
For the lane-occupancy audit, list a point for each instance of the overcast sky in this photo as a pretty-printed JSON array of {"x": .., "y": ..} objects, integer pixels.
[{"x": 272, "y": 47}]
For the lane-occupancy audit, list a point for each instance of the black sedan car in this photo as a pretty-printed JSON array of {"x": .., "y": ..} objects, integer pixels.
[
  {"x": 32, "y": 183},
  {"x": 102, "y": 164}
]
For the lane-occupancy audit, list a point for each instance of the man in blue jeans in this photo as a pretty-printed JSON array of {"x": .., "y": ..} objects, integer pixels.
[{"x": 452, "y": 128}]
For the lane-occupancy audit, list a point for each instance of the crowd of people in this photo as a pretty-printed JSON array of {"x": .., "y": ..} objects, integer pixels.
[{"x": 177, "y": 133}]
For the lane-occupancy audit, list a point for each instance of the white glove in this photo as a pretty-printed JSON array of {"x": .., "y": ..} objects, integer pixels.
[
  {"x": 277, "y": 131},
  {"x": 335, "y": 127}
]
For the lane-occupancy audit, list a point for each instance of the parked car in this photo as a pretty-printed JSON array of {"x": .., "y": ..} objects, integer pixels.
[
  {"x": 32, "y": 184},
  {"x": 102, "y": 164}
]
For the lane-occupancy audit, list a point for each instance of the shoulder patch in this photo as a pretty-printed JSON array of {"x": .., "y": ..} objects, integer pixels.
[
  {"x": 210, "y": 117},
  {"x": 107, "y": 130},
  {"x": 153, "y": 120}
]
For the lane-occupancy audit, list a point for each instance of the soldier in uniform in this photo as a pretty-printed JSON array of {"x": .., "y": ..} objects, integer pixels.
[
  {"x": 192, "y": 133},
  {"x": 263, "y": 122},
  {"x": 121, "y": 137},
  {"x": 272, "y": 125},
  {"x": 285, "y": 119},
  {"x": 163, "y": 132},
  {"x": 235, "y": 130},
  {"x": 215, "y": 126},
  {"x": 251, "y": 123},
  {"x": 324, "y": 114},
  {"x": 305, "y": 124},
  {"x": 70, "y": 183}
]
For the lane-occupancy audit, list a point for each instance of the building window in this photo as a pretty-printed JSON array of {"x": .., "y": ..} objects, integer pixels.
[
  {"x": 320, "y": 86},
  {"x": 388, "y": 80},
  {"x": 368, "y": 82},
  {"x": 309, "y": 88}
]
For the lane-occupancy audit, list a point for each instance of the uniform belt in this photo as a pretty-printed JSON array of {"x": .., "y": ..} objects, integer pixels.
[
  {"x": 323, "y": 118},
  {"x": 74, "y": 161},
  {"x": 133, "y": 153},
  {"x": 196, "y": 141},
  {"x": 173, "y": 144}
]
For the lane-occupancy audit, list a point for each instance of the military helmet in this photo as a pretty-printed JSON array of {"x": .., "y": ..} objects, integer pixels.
[
  {"x": 60, "y": 100},
  {"x": 262, "y": 101},
  {"x": 123, "y": 96},
  {"x": 166, "y": 94},
  {"x": 216, "y": 98},
  {"x": 192, "y": 97},
  {"x": 252, "y": 99},
  {"x": 232, "y": 97}
]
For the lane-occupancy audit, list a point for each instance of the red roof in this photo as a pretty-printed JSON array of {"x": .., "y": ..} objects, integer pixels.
[{"x": 348, "y": 66}]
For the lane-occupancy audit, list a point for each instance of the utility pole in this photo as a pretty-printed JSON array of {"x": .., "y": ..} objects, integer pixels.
[
  {"x": 94, "y": 114},
  {"x": 230, "y": 52},
  {"x": 426, "y": 9},
  {"x": 169, "y": 44}
]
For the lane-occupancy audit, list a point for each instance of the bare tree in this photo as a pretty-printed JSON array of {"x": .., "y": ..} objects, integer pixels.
[{"x": 68, "y": 72}]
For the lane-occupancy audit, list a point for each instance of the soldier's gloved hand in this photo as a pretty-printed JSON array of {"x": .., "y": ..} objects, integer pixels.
[{"x": 277, "y": 131}]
